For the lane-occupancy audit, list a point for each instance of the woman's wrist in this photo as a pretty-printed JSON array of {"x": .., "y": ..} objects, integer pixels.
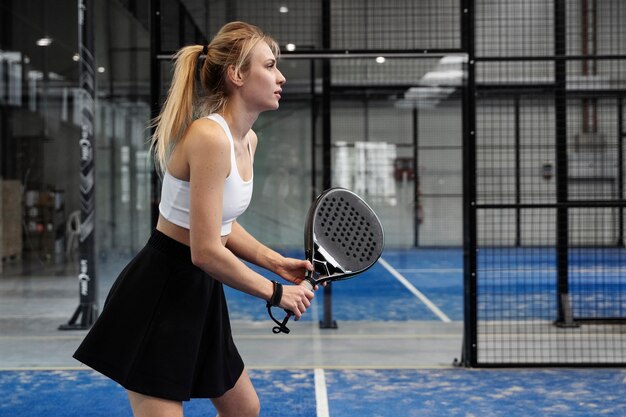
[{"x": 277, "y": 294}]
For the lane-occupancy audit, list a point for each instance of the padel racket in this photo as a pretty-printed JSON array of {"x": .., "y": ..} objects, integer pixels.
[{"x": 343, "y": 237}]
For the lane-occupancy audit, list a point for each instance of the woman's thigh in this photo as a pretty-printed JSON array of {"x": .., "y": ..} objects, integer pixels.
[
  {"x": 240, "y": 401},
  {"x": 146, "y": 406}
]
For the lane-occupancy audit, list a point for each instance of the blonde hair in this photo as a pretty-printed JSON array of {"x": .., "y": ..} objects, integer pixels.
[{"x": 232, "y": 45}]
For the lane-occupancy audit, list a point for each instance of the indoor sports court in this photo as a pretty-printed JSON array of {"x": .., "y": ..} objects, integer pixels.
[{"x": 488, "y": 137}]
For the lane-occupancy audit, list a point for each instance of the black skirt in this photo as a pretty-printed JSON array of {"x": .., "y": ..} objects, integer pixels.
[{"x": 164, "y": 330}]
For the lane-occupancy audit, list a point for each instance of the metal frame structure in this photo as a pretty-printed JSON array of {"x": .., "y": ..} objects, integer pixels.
[
  {"x": 87, "y": 309},
  {"x": 320, "y": 103},
  {"x": 472, "y": 91},
  {"x": 563, "y": 205}
]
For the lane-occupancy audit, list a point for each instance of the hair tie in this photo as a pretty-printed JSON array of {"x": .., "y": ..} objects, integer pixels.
[{"x": 205, "y": 49}]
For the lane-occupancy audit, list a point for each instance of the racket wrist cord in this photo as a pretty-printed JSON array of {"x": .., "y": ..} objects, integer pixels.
[
  {"x": 281, "y": 327},
  {"x": 274, "y": 301}
]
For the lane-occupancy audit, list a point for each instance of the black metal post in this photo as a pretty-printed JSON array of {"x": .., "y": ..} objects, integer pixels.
[
  {"x": 155, "y": 94},
  {"x": 87, "y": 310},
  {"x": 7, "y": 161},
  {"x": 314, "y": 115},
  {"x": 564, "y": 314},
  {"x": 327, "y": 321},
  {"x": 518, "y": 174},
  {"x": 416, "y": 180},
  {"x": 470, "y": 244},
  {"x": 621, "y": 134}
]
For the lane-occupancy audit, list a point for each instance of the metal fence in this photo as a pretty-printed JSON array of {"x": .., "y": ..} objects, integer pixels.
[
  {"x": 527, "y": 97},
  {"x": 546, "y": 264}
]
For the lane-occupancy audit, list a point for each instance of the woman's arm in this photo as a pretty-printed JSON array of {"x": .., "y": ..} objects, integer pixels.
[
  {"x": 246, "y": 247},
  {"x": 207, "y": 151}
]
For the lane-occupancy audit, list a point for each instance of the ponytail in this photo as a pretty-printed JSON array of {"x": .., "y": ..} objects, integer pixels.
[{"x": 178, "y": 110}]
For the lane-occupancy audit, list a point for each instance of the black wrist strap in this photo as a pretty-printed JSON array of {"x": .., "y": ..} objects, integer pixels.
[{"x": 277, "y": 294}]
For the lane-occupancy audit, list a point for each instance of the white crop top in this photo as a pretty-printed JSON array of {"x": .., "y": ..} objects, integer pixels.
[{"x": 174, "y": 205}]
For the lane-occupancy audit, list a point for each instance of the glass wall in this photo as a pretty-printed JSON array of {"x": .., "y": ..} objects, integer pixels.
[
  {"x": 391, "y": 110},
  {"x": 377, "y": 131},
  {"x": 395, "y": 121},
  {"x": 40, "y": 131}
]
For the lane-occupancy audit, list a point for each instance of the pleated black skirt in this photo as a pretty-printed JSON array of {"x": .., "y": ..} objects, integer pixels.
[{"x": 164, "y": 330}]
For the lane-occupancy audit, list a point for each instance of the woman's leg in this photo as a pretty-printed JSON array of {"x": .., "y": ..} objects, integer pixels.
[
  {"x": 240, "y": 401},
  {"x": 146, "y": 406}
]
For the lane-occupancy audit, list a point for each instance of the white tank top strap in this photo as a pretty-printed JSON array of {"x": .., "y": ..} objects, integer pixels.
[{"x": 220, "y": 120}]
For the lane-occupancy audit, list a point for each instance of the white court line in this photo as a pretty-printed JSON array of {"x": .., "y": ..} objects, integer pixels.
[
  {"x": 321, "y": 396},
  {"x": 415, "y": 291},
  {"x": 430, "y": 270}
]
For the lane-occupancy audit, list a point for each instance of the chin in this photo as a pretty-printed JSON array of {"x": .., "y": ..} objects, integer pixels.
[
  {"x": 275, "y": 106},
  {"x": 270, "y": 108}
]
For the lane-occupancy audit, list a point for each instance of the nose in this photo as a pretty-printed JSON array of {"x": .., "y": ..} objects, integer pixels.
[{"x": 280, "y": 79}]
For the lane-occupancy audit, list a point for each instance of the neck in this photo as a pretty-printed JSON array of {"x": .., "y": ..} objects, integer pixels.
[{"x": 239, "y": 119}]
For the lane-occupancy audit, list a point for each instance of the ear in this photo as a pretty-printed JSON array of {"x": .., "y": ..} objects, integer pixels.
[{"x": 235, "y": 76}]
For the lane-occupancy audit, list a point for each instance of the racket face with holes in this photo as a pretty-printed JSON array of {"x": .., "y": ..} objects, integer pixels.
[{"x": 343, "y": 235}]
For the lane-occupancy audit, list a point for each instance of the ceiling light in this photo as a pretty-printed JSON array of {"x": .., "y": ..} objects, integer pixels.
[
  {"x": 283, "y": 9},
  {"x": 45, "y": 41},
  {"x": 76, "y": 57},
  {"x": 101, "y": 70},
  {"x": 381, "y": 59},
  {"x": 291, "y": 46}
]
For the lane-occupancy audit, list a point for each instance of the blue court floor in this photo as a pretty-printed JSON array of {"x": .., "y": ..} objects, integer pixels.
[
  {"x": 386, "y": 292},
  {"x": 346, "y": 393},
  {"x": 405, "y": 290},
  {"x": 427, "y": 284}
]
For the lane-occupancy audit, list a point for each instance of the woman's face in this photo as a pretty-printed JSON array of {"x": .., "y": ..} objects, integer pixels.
[{"x": 262, "y": 84}]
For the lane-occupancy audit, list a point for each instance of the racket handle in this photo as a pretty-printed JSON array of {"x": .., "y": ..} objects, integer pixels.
[
  {"x": 282, "y": 327},
  {"x": 306, "y": 284}
]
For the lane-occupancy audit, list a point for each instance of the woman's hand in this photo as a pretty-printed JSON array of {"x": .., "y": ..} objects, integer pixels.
[
  {"x": 296, "y": 299},
  {"x": 293, "y": 270}
]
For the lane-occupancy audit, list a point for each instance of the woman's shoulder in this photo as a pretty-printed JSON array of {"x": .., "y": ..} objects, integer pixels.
[
  {"x": 206, "y": 133},
  {"x": 205, "y": 146}
]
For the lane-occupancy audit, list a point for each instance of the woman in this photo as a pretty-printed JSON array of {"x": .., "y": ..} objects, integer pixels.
[{"x": 164, "y": 333}]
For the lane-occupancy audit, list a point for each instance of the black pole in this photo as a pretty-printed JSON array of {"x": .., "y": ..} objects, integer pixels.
[
  {"x": 518, "y": 175},
  {"x": 87, "y": 310},
  {"x": 620, "y": 169},
  {"x": 564, "y": 315},
  {"x": 416, "y": 180},
  {"x": 314, "y": 114},
  {"x": 326, "y": 100},
  {"x": 155, "y": 93},
  {"x": 470, "y": 244},
  {"x": 327, "y": 321},
  {"x": 7, "y": 146}
]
